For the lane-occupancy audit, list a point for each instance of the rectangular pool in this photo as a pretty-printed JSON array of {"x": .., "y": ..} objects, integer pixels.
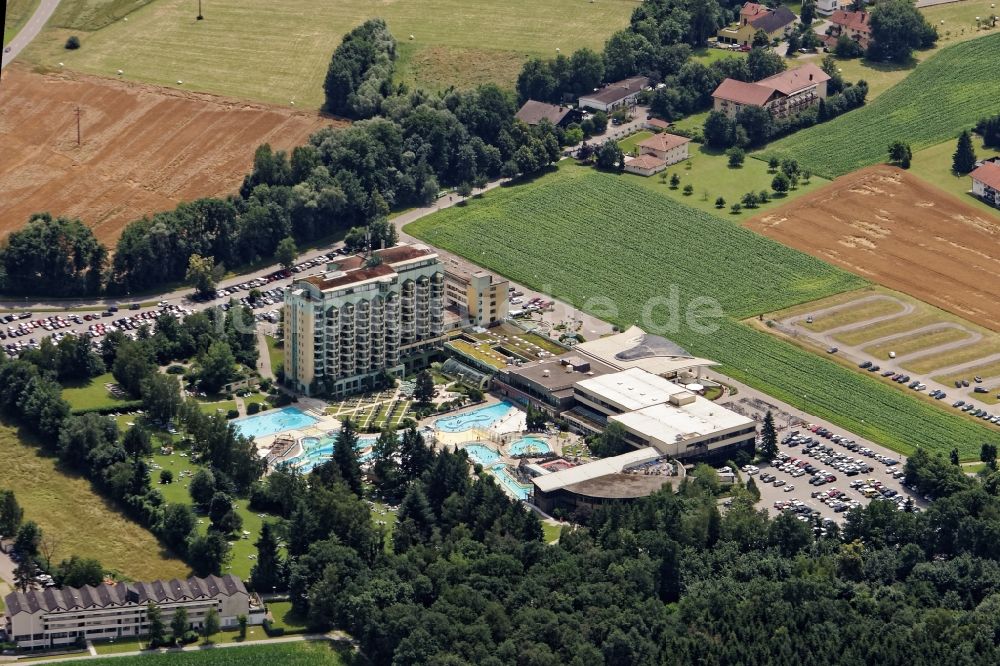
[{"x": 273, "y": 421}]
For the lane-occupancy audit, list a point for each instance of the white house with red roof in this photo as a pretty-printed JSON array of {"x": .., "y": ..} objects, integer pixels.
[
  {"x": 785, "y": 94},
  {"x": 986, "y": 182}
]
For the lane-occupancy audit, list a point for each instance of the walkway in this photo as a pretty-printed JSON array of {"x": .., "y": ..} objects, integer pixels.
[{"x": 30, "y": 30}]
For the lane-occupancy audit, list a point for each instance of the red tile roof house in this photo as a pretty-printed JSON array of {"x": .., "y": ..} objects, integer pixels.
[
  {"x": 644, "y": 165},
  {"x": 668, "y": 147},
  {"x": 986, "y": 183},
  {"x": 784, "y": 94},
  {"x": 855, "y": 25}
]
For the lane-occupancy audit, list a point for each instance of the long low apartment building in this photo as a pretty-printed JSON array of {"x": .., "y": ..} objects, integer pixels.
[
  {"x": 54, "y": 617},
  {"x": 362, "y": 317}
]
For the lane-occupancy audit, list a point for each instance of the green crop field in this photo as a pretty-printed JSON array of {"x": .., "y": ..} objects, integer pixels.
[
  {"x": 300, "y": 653},
  {"x": 623, "y": 253},
  {"x": 947, "y": 93},
  {"x": 279, "y": 51}
]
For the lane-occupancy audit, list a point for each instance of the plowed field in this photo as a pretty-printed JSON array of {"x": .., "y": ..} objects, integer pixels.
[
  {"x": 143, "y": 149},
  {"x": 892, "y": 228}
]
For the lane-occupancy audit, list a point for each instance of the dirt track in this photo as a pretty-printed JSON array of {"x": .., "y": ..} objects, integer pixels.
[
  {"x": 890, "y": 227},
  {"x": 144, "y": 148}
]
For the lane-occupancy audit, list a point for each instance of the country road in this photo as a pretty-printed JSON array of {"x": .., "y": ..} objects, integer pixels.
[{"x": 30, "y": 30}]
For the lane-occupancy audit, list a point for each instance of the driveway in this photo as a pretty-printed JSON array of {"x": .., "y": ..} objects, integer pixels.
[{"x": 30, "y": 30}]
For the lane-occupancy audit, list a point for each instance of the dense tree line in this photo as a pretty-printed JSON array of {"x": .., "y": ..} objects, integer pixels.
[
  {"x": 359, "y": 77},
  {"x": 59, "y": 257},
  {"x": 989, "y": 130}
]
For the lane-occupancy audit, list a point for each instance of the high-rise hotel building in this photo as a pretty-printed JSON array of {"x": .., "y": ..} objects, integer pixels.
[{"x": 345, "y": 326}]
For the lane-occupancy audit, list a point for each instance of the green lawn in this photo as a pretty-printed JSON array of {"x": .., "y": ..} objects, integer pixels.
[
  {"x": 551, "y": 531},
  {"x": 934, "y": 166},
  {"x": 275, "y": 351},
  {"x": 177, "y": 492},
  {"x": 944, "y": 95},
  {"x": 279, "y": 51},
  {"x": 18, "y": 13},
  {"x": 92, "y": 394},
  {"x": 222, "y": 406},
  {"x": 707, "y": 56},
  {"x": 298, "y": 653},
  {"x": 559, "y": 233},
  {"x": 285, "y": 617},
  {"x": 712, "y": 177},
  {"x": 82, "y": 522},
  {"x": 629, "y": 145}
]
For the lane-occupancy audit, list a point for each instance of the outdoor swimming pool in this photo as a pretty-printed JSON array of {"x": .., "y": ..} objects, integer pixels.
[
  {"x": 483, "y": 455},
  {"x": 529, "y": 446},
  {"x": 273, "y": 421},
  {"x": 483, "y": 417},
  {"x": 519, "y": 490},
  {"x": 318, "y": 450}
]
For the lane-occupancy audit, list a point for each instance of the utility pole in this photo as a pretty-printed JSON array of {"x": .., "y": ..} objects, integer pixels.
[
  {"x": 78, "y": 127},
  {"x": 200, "y": 17}
]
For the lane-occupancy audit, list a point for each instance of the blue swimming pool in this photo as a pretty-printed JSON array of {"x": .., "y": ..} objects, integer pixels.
[
  {"x": 529, "y": 446},
  {"x": 483, "y": 455},
  {"x": 273, "y": 421},
  {"x": 318, "y": 450},
  {"x": 483, "y": 417},
  {"x": 519, "y": 490}
]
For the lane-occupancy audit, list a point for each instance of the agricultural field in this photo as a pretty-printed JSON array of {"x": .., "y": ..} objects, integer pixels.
[
  {"x": 243, "y": 49},
  {"x": 18, "y": 13},
  {"x": 134, "y": 138},
  {"x": 900, "y": 333},
  {"x": 299, "y": 653},
  {"x": 582, "y": 251},
  {"x": 711, "y": 176},
  {"x": 81, "y": 521},
  {"x": 891, "y": 227},
  {"x": 961, "y": 81}
]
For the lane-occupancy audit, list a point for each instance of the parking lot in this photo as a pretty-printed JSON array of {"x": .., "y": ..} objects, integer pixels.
[{"x": 829, "y": 473}]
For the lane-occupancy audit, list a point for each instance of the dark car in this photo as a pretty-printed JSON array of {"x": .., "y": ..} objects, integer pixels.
[{"x": 865, "y": 364}]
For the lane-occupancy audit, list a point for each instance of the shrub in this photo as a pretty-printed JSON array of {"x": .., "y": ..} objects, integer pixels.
[
  {"x": 232, "y": 414},
  {"x": 688, "y": 190},
  {"x": 73, "y": 43},
  {"x": 189, "y": 637},
  {"x": 166, "y": 477},
  {"x": 253, "y": 408},
  {"x": 720, "y": 203}
]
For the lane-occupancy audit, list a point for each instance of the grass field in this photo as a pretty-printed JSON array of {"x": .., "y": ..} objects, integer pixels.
[
  {"x": 279, "y": 51},
  {"x": 933, "y": 165},
  {"x": 92, "y": 394},
  {"x": 917, "y": 342},
  {"x": 961, "y": 81},
  {"x": 560, "y": 235},
  {"x": 935, "y": 361},
  {"x": 285, "y": 617},
  {"x": 18, "y": 13},
  {"x": 275, "y": 351},
  {"x": 81, "y": 521},
  {"x": 853, "y": 314},
  {"x": 712, "y": 177},
  {"x": 629, "y": 145},
  {"x": 299, "y": 653}
]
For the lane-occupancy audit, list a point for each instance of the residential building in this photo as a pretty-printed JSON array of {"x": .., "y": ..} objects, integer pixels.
[
  {"x": 533, "y": 112},
  {"x": 479, "y": 298},
  {"x": 776, "y": 24},
  {"x": 644, "y": 165},
  {"x": 363, "y": 317},
  {"x": 670, "y": 148},
  {"x": 54, "y": 617},
  {"x": 986, "y": 182},
  {"x": 856, "y": 25},
  {"x": 615, "y": 95},
  {"x": 828, "y": 7},
  {"x": 785, "y": 94},
  {"x": 656, "y": 124}
]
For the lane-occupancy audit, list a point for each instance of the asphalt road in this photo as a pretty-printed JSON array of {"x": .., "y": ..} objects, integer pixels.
[{"x": 30, "y": 30}]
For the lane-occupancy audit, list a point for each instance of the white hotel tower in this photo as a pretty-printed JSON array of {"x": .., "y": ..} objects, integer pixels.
[{"x": 361, "y": 317}]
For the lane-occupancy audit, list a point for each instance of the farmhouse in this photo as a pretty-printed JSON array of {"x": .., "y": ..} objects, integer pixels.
[
  {"x": 644, "y": 165},
  {"x": 615, "y": 95},
  {"x": 986, "y": 182},
  {"x": 855, "y": 25},
  {"x": 668, "y": 147},
  {"x": 533, "y": 112},
  {"x": 776, "y": 23},
  {"x": 785, "y": 94},
  {"x": 60, "y": 616}
]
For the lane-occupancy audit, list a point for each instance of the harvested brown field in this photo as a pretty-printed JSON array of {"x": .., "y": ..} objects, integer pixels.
[
  {"x": 144, "y": 148},
  {"x": 892, "y": 228}
]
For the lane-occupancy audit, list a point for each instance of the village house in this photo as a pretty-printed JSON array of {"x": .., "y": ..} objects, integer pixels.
[
  {"x": 986, "y": 182},
  {"x": 785, "y": 94},
  {"x": 776, "y": 24},
  {"x": 534, "y": 112},
  {"x": 855, "y": 25}
]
